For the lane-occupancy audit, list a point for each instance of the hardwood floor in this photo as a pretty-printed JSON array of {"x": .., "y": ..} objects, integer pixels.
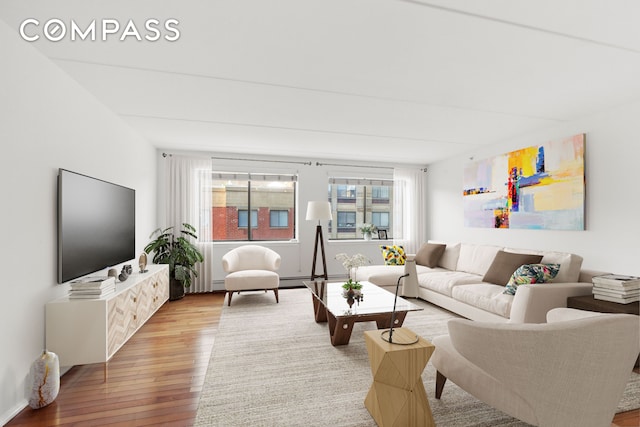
[{"x": 156, "y": 378}]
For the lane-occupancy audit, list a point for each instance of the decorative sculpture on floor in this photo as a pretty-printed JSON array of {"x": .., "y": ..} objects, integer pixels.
[{"x": 45, "y": 374}]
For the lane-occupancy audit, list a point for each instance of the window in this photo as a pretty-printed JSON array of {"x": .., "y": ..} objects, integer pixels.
[
  {"x": 269, "y": 197},
  {"x": 242, "y": 218},
  {"x": 380, "y": 220},
  {"x": 356, "y": 201},
  {"x": 346, "y": 193},
  {"x": 380, "y": 194},
  {"x": 346, "y": 221},
  {"x": 278, "y": 219}
]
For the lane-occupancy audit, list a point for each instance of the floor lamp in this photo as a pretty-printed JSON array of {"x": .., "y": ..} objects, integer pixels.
[{"x": 319, "y": 211}]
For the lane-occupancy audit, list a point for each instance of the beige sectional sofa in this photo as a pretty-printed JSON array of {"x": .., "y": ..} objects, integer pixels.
[{"x": 459, "y": 281}]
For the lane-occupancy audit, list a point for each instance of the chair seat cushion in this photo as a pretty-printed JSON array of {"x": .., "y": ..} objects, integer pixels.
[{"x": 251, "y": 280}]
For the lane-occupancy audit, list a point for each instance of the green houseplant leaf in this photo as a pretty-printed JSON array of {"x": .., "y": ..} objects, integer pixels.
[{"x": 176, "y": 251}]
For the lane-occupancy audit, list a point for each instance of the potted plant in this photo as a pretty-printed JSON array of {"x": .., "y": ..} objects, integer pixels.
[
  {"x": 179, "y": 253},
  {"x": 367, "y": 230}
]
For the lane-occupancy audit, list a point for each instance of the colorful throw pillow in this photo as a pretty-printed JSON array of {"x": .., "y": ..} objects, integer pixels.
[
  {"x": 529, "y": 274},
  {"x": 393, "y": 255}
]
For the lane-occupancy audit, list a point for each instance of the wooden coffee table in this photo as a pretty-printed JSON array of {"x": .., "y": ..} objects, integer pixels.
[{"x": 341, "y": 313}]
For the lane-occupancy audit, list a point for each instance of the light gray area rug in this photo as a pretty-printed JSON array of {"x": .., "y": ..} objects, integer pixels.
[{"x": 272, "y": 365}]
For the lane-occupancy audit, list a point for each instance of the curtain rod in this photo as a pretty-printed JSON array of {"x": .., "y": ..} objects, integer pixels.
[
  {"x": 261, "y": 160},
  {"x": 360, "y": 166},
  {"x": 249, "y": 160},
  {"x": 352, "y": 166},
  {"x": 295, "y": 163}
]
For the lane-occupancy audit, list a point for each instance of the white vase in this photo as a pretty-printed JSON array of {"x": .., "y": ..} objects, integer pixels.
[
  {"x": 45, "y": 374},
  {"x": 367, "y": 236}
]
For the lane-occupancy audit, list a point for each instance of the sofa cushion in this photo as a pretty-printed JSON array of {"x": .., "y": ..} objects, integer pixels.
[
  {"x": 381, "y": 275},
  {"x": 570, "y": 264},
  {"x": 485, "y": 296},
  {"x": 393, "y": 255},
  {"x": 420, "y": 269},
  {"x": 429, "y": 254},
  {"x": 477, "y": 259},
  {"x": 444, "y": 281},
  {"x": 505, "y": 263},
  {"x": 449, "y": 259},
  {"x": 529, "y": 274}
]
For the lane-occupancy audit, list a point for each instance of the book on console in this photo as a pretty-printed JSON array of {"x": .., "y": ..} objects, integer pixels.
[
  {"x": 89, "y": 296},
  {"x": 93, "y": 282},
  {"x": 102, "y": 290},
  {"x": 92, "y": 293}
]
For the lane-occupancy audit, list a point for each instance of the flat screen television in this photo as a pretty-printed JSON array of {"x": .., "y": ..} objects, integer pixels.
[{"x": 96, "y": 225}]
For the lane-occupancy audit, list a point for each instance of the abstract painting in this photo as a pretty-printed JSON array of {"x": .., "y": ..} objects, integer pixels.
[{"x": 538, "y": 187}]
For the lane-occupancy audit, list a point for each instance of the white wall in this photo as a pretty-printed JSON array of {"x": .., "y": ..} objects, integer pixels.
[
  {"x": 612, "y": 153},
  {"x": 49, "y": 122}
]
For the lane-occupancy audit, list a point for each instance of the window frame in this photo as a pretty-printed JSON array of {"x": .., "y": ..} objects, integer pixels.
[
  {"x": 364, "y": 205},
  {"x": 259, "y": 200}
]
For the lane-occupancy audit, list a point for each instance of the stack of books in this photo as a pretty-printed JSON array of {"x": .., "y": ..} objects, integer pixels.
[
  {"x": 617, "y": 288},
  {"x": 92, "y": 287}
]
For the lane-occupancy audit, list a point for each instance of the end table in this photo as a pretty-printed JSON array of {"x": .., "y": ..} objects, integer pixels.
[
  {"x": 590, "y": 303},
  {"x": 397, "y": 396}
]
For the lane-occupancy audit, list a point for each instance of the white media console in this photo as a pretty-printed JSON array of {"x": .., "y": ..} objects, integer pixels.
[{"x": 82, "y": 331}]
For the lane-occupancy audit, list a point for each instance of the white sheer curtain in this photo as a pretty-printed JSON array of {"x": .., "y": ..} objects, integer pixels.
[
  {"x": 409, "y": 210},
  {"x": 188, "y": 195}
]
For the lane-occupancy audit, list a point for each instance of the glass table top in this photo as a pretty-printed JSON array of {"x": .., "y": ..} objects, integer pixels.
[{"x": 372, "y": 299}]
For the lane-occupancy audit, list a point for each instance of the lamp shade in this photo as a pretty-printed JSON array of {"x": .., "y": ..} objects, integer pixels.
[{"x": 317, "y": 211}]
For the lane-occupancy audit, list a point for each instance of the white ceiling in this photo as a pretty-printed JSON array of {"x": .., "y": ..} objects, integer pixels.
[{"x": 406, "y": 81}]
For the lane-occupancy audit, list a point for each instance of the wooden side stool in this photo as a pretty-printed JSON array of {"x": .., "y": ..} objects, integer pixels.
[{"x": 397, "y": 396}]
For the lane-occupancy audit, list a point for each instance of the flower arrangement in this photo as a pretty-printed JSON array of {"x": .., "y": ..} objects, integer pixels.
[
  {"x": 351, "y": 263},
  {"x": 367, "y": 228},
  {"x": 354, "y": 261}
]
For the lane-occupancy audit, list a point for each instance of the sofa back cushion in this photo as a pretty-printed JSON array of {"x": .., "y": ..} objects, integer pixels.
[
  {"x": 429, "y": 254},
  {"x": 505, "y": 263},
  {"x": 476, "y": 258},
  {"x": 570, "y": 264},
  {"x": 449, "y": 258}
]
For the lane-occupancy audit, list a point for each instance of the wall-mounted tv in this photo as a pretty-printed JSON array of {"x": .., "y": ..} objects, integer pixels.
[{"x": 96, "y": 225}]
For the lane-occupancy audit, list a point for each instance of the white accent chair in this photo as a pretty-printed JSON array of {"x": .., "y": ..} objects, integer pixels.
[
  {"x": 251, "y": 268},
  {"x": 571, "y": 371}
]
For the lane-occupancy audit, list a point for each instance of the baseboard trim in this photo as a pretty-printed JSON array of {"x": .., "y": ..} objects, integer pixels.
[
  {"x": 20, "y": 406},
  {"x": 10, "y": 414},
  {"x": 287, "y": 282}
]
